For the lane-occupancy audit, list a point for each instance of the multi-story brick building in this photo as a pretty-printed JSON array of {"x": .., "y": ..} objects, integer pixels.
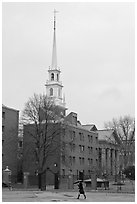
[
  {"x": 80, "y": 152},
  {"x": 10, "y": 121}
]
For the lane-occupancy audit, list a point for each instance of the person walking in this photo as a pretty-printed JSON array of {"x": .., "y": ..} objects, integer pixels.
[{"x": 81, "y": 190}]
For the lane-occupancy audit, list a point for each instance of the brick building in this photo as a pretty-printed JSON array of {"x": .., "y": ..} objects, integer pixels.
[
  {"x": 10, "y": 121},
  {"x": 80, "y": 152}
]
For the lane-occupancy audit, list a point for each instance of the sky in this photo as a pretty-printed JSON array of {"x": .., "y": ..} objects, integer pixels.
[{"x": 95, "y": 52}]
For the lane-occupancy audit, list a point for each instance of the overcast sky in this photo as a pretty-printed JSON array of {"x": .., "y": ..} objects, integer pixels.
[{"x": 95, "y": 52}]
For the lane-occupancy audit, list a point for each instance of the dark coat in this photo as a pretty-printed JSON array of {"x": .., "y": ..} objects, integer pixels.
[{"x": 81, "y": 190}]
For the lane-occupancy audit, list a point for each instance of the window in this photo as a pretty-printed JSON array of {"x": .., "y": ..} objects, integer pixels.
[
  {"x": 73, "y": 160},
  {"x": 82, "y": 148},
  {"x": 90, "y": 138},
  {"x": 63, "y": 172},
  {"x": 3, "y": 129},
  {"x": 3, "y": 115},
  {"x": 81, "y": 136},
  {"x": 90, "y": 161},
  {"x": 80, "y": 160},
  {"x": 74, "y": 146},
  {"x": 72, "y": 135},
  {"x": 52, "y": 76},
  {"x": 51, "y": 91},
  {"x": 83, "y": 160},
  {"x": 90, "y": 150},
  {"x": 20, "y": 144}
]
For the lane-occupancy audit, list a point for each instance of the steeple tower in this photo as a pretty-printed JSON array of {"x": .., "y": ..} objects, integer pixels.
[
  {"x": 54, "y": 51},
  {"x": 54, "y": 85}
]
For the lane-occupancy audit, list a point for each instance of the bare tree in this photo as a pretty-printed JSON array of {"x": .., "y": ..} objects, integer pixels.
[
  {"x": 124, "y": 129},
  {"x": 44, "y": 119}
]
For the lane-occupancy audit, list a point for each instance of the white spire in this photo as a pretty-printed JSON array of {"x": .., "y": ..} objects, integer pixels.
[{"x": 54, "y": 51}]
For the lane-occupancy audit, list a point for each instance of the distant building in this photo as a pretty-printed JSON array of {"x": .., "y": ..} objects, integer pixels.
[
  {"x": 10, "y": 121},
  {"x": 108, "y": 153}
]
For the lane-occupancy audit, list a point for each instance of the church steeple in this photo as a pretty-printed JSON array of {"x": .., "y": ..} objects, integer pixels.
[
  {"x": 54, "y": 85},
  {"x": 54, "y": 51}
]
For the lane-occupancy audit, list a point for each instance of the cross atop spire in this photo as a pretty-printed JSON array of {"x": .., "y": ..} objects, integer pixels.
[{"x": 55, "y": 11}]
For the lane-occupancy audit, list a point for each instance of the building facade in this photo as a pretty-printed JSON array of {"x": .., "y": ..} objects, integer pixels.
[
  {"x": 10, "y": 121},
  {"x": 108, "y": 154}
]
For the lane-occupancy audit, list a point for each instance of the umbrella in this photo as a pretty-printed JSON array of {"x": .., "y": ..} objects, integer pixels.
[
  {"x": 76, "y": 182},
  {"x": 98, "y": 180}
]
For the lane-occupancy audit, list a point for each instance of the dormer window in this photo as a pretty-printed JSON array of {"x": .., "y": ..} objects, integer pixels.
[
  {"x": 51, "y": 91},
  {"x": 52, "y": 76}
]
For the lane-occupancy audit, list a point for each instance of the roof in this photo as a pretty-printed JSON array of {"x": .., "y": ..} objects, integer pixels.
[
  {"x": 3, "y": 106},
  {"x": 106, "y": 134},
  {"x": 90, "y": 127}
]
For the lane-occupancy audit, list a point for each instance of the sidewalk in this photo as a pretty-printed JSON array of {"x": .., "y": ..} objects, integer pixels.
[{"x": 64, "y": 196}]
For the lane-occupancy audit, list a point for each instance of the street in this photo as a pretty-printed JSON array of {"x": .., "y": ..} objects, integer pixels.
[{"x": 59, "y": 196}]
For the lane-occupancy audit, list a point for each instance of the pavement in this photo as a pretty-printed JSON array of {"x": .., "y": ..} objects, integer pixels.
[
  {"x": 126, "y": 194},
  {"x": 58, "y": 196}
]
